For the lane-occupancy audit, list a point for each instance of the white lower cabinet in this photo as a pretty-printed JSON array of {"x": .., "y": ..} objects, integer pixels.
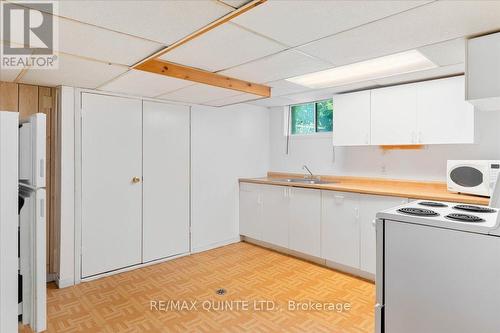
[
  {"x": 275, "y": 214},
  {"x": 369, "y": 206},
  {"x": 282, "y": 215},
  {"x": 251, "y": 210},
  {"x": 304, "y": 226},
  {"x": 336, "y": 226},
  {"x": 340, "y": 228}
]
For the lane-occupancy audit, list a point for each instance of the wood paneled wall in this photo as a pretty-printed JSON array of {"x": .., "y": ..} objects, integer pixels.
[{"x": 27, "y": 100}]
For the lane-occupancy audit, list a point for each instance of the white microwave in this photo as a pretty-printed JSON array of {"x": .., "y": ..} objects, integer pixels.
[{"x": 472, "y": 176}]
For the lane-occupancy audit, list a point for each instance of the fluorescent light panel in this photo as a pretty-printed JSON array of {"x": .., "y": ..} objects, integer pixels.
[{"x": 394, "y": 64}]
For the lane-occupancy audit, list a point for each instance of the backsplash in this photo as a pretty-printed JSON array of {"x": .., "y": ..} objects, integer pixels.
[{"x": 428, "y": 163}]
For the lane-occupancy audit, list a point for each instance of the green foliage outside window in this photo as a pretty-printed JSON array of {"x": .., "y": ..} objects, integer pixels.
[
  {"x": 312, "y": 117},
  {"x": 303, "y": 119},
  {"x": 324, "y": 116}
]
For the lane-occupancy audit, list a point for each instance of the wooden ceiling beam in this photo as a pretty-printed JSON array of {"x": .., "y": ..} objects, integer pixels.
[
  {"x": 205, "y": 29},
  {"x": 198, "y": 75}
]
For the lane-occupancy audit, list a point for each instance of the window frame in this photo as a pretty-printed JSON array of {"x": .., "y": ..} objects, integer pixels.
[{"x": 316, "y": 134}]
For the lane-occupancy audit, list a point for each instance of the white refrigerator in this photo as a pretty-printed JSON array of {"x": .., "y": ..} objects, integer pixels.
[{"x": 32, "y": 221}]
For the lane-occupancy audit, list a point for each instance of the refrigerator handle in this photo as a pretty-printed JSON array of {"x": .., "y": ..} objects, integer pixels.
[{"x": 42, "y": 167}]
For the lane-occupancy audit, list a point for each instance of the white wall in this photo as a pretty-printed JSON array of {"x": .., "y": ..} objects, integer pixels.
[
  {"x": 226, "y": 144},
  {"x": 66, "y": 276},
  {"x": 426, "y": 164}
]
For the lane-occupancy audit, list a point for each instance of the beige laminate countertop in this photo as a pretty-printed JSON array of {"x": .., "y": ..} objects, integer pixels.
[{"x": 398, "y": 188}]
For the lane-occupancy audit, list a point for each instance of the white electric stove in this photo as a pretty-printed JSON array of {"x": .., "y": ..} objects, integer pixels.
[{"x": 438, "y": 268}]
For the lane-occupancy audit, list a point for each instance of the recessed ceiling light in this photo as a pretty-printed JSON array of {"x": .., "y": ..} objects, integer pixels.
[{"x": 394, "y": 64}]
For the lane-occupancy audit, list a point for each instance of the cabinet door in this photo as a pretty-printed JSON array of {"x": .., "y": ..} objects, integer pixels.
[
  {"x": 165, "y": 180},
  {"x": 305, "y": 221},
  {"x": 369, "y": 206},
  {"x": 483, "y": 69},
  {"x": 443, "y": 115},
  {"x": 251, "y": 210},
  {"x": 340, "y": 228},
  {"x": 393, "y": 115},
  {"x": 351, "y": 119},
  {"x": 111, "y": 201},
  {"x": 275, "y": 214}
]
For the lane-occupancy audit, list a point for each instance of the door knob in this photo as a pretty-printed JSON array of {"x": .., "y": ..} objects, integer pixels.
[{"x": 136, "y": 180}]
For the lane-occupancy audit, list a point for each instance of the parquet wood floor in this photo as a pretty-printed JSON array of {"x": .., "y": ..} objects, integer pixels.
[{"x": 248, "y": 273}]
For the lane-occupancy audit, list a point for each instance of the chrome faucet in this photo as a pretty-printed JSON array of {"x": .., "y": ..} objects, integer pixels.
[{"x": 309, "y": 171}]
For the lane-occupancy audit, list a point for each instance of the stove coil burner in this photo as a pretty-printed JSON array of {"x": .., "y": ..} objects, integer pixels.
[
  {"x": 432, "y": 204},
  {"x": 464, "y": 218},
  {"x": 475, "y": 209},
  {"x": 418, "y": 211}
]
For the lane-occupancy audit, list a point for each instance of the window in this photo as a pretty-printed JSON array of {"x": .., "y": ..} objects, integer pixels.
[{"x": 315, "y": 117}]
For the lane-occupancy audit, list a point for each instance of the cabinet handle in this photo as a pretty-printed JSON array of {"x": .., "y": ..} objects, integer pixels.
[
  {"x": 356, "y": 212},
  {"x": 136, "y": 179},
  {"x": 339, "y": 199}
]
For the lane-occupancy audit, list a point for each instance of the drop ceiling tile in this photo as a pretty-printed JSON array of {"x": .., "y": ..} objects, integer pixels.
[
  {"x": 74, "y": 71},
  {"x": 223, "y": 47},
  {"x": 147, "y": 84},
  {"x": 278, "y": 66},
  {"x": 102, "y": 44},
  {"x": 445, "y": 53},
  {"x": 316, "y": 95},
  {"x": 242, "y": 98},
  {"x": 199, "y": 93},
  {"x": 283, "y": 87},
  {"x": 433, "y": 23},
  {"x": 423, "y": 75},
  {"x": 8, "y": 75},
  {"x": 296, "y": 22},
  {"x": 235, "y": 3},
  {"x": 160, "y": 21},
  {"x": 273, "y": 101}
]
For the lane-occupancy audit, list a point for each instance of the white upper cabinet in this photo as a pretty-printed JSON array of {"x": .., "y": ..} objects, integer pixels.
[
  {"x": 351, "y": 119},
  {"x": 429, "y": 112},
  {"x": 394, "y": 115},
  {"x": 443, "y": 115},
  {"x": 483, "y": 72}
]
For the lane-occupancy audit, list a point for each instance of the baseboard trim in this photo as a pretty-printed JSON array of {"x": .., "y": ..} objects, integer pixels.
[
  {"x": 64, "y": 283},
  {"x": 313, "y": 259},
  {"x": 130, "y": 268},
  {"x": 215, "y": 245}
]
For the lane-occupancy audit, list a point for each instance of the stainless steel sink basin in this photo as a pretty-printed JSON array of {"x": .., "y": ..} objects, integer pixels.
[{"x": 304, "y": 181}]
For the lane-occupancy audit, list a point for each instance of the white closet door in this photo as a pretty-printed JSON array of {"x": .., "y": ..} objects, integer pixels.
[
  {"x": 166, "y": 180},
  {"x": 111, "y": 200}
]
